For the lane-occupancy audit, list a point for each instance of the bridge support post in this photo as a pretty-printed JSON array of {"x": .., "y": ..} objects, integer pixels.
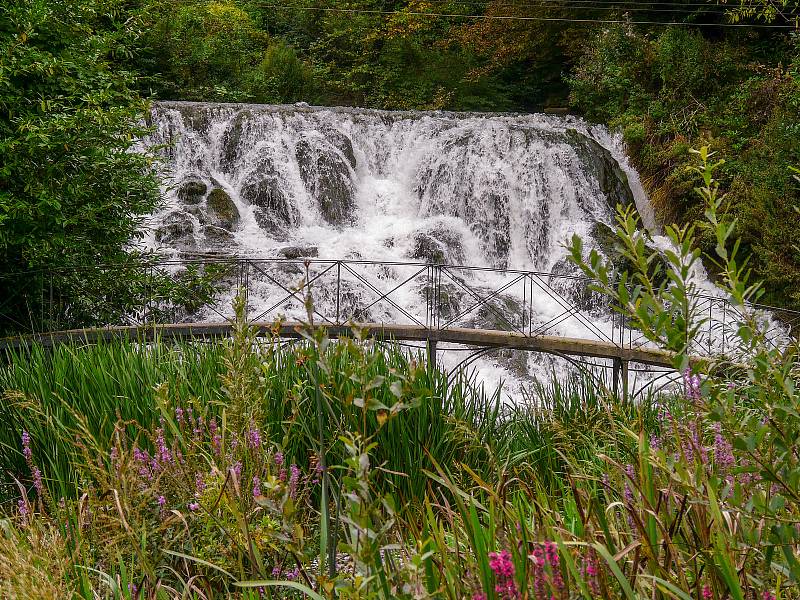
[
  {"x": 625, "y": 380},
  {"x": 620, "y": 377},
  {"x": 431, "y": 347}
]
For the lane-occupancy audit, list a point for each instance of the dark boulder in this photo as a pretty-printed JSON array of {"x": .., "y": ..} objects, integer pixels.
[
  {"x": 272, "y": 209},
  {"x": 342, "y": 143},
  {"x": 326, "y": 175},
  {"x": 222, "y": 211},
  {"x": 597, "y": 160},
  {"x": 298, "y": 252},
  {"x": 232, "y": 140},
  {"x": 177, "y": 229},
  {"x": 217, "y": 236},
  {"x": 438, "y": 246},
  {"x": 192, "y": 191}
]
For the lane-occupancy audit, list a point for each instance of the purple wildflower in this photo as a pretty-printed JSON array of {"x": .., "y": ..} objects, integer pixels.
[
  {"x": 163, "y": 454},
  {"x": 26, "y": 447},
  {"x": 253, "y": 437},
  {"x": 591, "y": 574},
  {"x": 655, "y": 443},
  {"x": 24, "y": 512},
  {"x": 179, "y": 416},
  {"x": 691, "y": 384},
  {"x": 294, "y": 478},
  {"x": 538, "y": 571},
  {"x": 293, "y": 574},
  {"x": 216, "y": 438},
  {"x": 282, "y": 475},
  {"x": 37, "y": 481},
  {"x": 194, "y": 506},
  {"x": 237, "y": 469},
  {"x": 768, "y": 595},
  {"x": 133, "y": 590},
  {"x": 503, "y": 568},
  {"x": 706, "y": 592},
  {"x": 278, "y": 458},
  {"x": 630, "y": 474},
  {"x": 723, "y": 451},
  {"x": 256, "y": 487},
  {"x": 276, "y": 572},
  {"x": 161, "y": 502},
  {"x": 199, "y": 484},
  {"x": 479, "y": 596},
  {"x": 551, "y": 553}
]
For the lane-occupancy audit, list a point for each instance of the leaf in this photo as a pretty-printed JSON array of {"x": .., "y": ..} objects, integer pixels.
[
  {"x": 199, "y": 561},
  {"x": 289, "y": 584},
  {"x": 612, "y": 564}
]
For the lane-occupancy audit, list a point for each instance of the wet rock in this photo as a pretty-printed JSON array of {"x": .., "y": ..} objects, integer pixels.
[
  {"x": 298, "y": 252},
  {"x": 196, "y": 116},
  {"x": 609, "y": 175},
  {"x": 222, "y": 212},
  {"x": 231, "y": 141},
  {"x": 492, "y": 224},
  {"x": 198, "y": 211},
  {"x": 192, "y": 191},
  {"x": 326, "y": 175},
  {"x": 176, "y": 230},
  {"x": 342, "y": 143},
  {"x": 217, "y": 236},
  {"x": 445, "y": 300},
  {"x": 272, "y": 210},
  {"x": 438, "y": 246},
  {"x": 502, "y": 312}
]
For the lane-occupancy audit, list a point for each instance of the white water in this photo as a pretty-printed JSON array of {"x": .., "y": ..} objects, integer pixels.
[{"x": 502, "y": 191}]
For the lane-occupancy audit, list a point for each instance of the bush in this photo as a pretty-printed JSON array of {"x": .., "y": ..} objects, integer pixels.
[{"x": 71, "y": 191}]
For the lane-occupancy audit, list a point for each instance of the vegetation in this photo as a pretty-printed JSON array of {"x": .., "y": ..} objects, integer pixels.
[
  {"x": 71, "y": 192},
  {"x": 321, "y": 470},
  {"x": 345, "y": 470}
]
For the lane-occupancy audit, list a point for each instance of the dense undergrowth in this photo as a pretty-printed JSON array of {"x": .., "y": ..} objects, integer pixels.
[{"x": 346, "y": 470}]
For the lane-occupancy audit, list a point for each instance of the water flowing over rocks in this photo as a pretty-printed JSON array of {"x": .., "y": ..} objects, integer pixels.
[
  {"x": 486, "y": 190},
  {"x": 326, "y": 175}
]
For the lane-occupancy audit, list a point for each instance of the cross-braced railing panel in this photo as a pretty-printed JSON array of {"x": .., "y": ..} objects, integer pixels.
[{"x": 337, "y": 292}]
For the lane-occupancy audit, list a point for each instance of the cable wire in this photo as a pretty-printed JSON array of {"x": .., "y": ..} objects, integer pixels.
[{"x": 525, "y": 18}]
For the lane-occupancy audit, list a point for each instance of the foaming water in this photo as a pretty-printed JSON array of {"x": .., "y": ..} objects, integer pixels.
[{"x": 495, "y": 191}]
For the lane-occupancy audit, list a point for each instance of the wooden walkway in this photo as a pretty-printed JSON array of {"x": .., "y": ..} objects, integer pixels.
[{"x": 471, "y": 337}]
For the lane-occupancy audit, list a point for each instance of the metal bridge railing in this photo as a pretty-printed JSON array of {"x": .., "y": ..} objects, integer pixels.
[{"x": 431, "y": 296}]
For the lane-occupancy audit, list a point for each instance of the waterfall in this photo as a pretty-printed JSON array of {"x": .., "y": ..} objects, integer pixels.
[{"x": 485, "y": 190}]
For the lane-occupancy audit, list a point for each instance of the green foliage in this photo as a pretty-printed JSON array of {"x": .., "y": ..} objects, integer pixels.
[
  {"x": 71, "y": 191},
  {"x": 215, "y": 50},
  {"x": 676, "y": 88}
]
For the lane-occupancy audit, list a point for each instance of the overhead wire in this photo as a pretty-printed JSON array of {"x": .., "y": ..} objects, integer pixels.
[
  {"x": 507, "y": 4},
  {"x": 523, "y": 18},
  {"x": 605, "y": 5}
]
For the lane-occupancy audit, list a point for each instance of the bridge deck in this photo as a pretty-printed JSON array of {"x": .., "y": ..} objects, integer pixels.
[{"x": 470, "y": 337}]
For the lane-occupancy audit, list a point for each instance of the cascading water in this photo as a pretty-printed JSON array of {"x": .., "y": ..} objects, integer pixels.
[{"x": 499, "y": 191}]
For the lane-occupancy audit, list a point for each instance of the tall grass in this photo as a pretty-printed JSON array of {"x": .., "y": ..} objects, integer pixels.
[
  {"x": 52, "y": 393},
  {"x": 46, "y": 391}
]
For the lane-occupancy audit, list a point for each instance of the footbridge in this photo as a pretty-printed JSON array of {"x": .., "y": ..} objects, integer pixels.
[{"x": 475, "y": 310}]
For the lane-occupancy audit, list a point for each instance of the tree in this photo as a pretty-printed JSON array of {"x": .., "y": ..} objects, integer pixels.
[{"x": 72, "y": 192}]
